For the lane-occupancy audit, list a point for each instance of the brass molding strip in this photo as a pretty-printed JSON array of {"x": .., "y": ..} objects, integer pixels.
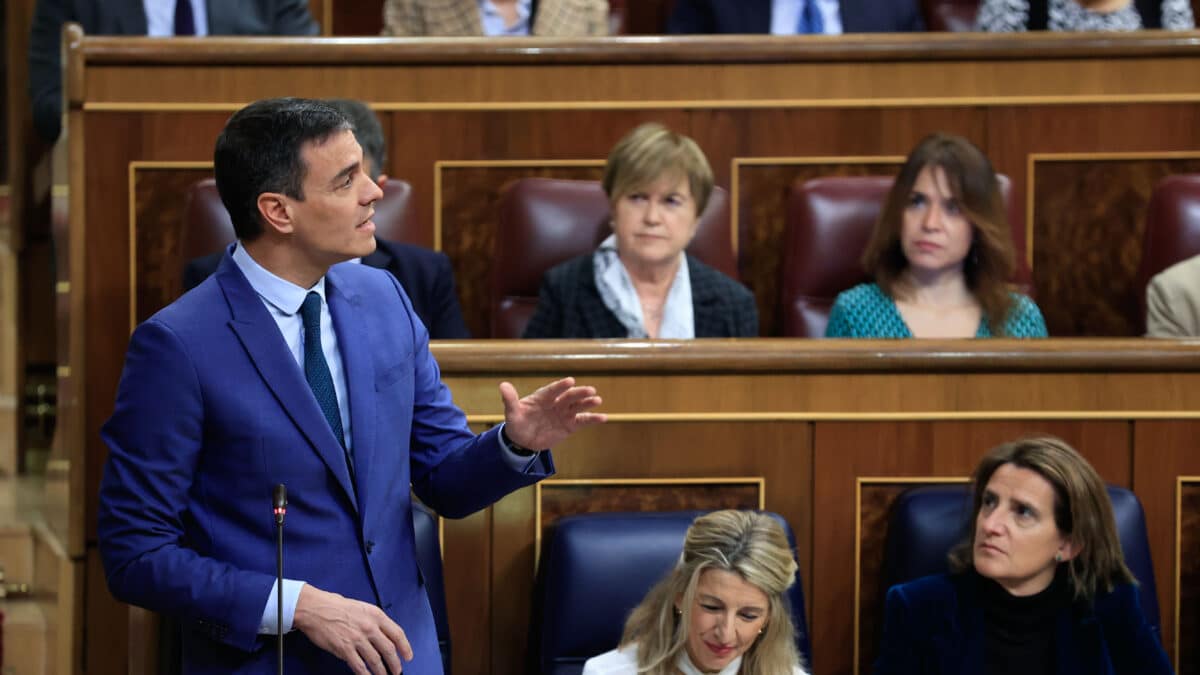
[
  {"x": 62, "y": 371},
  {"x": 62, "y": 287},
  {"x": 858, "y": 486},
  {"x": 669, "y": 104},
  {"x": 758, "y": 481},
  {"x": 737, "y": 163},
  {"x": 1179, "y": 483},
  {"x": 134, "y": 167},
  {"x": 1036, "y": 157},
  {"x": 441, "y": 164},
  {"x": 915, "y": 416}
]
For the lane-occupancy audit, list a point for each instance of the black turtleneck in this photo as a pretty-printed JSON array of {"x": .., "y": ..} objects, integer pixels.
[{"x": 1019, "y": 631}]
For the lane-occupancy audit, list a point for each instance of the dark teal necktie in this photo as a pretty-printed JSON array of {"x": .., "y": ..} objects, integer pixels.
[
  {"x": 811, "y": 21},
  {"x": 316, "y": 371}
]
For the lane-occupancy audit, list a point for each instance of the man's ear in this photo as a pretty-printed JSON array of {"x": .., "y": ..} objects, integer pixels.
[{"x": 276, "y": 212}]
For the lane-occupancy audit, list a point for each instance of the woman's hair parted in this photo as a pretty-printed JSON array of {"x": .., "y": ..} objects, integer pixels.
[
  {"x": 1082, "y": 511},
  {"x": 753, "y": 546},
  {"x": 650, "y": 152},
  {"x": 973, "y": 183}
]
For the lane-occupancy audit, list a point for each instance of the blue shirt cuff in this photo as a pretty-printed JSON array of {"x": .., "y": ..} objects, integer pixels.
[
  {"x": 291, "y": 594},
  {"x": 518, "y": 463}
]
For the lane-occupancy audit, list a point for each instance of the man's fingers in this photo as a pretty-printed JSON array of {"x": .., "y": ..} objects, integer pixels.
[
  {"x": 573, "y": 395},
  {"x": 395, "y": 634},
  {"x": 555, "y": 389},
  {"x": 586, "y": 419},
  {"x": 508, "y": 394}
]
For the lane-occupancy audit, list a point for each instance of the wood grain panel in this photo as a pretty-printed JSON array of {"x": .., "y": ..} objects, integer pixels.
[
  {"x": 1188, "y": 624},
  {"x": 160, "y": 198},
  {"x": 558, "y": 500},
  {"x": 1163, "y": 451},
  {"x": 845, "y": 452},
  {"x": 1089, "y": 219}
]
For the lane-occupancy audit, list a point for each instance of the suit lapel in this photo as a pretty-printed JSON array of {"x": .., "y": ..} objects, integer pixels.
[
  {"x": 259, "y": 335},
  {"x": 354, "y": 344}
]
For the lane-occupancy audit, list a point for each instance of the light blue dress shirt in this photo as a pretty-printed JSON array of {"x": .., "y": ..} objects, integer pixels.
[
  {"x": 493, "y": 21},
  {"x": 160, "y": 17},
  {"x": 282, "y": 299},
  {"x": 785, "y": 16}
]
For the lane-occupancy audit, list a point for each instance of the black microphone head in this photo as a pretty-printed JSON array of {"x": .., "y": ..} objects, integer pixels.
[{"x": 279, "y": 496}]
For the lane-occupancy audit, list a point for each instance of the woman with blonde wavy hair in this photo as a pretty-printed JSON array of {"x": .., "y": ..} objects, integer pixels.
[{"x": 720, "y": 610}]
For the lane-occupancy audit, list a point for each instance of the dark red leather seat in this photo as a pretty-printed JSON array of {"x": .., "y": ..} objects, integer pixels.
[{"x": 1172, "y": 232}]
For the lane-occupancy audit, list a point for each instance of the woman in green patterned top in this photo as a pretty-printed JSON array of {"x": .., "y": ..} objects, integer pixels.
[{"x": 941, "y": 255}]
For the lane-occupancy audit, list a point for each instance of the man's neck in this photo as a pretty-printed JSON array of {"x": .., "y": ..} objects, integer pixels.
[{"x": 283, "y": 262}]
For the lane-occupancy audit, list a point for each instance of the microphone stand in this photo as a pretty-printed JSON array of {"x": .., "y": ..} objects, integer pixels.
[{"x": 279, "y": 497}]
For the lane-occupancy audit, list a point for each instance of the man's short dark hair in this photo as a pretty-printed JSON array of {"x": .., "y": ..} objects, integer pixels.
[
  {"x": 367, "y": 130},
  {"x": 259, "y": 151}
]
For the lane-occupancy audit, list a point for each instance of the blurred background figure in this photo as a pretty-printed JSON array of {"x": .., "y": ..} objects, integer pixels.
[
  {"x": 640, "y": 283},
  {"x": 721, "y": 610},
  {"x": 155, "y": 18},
  {"x": 1173, "y": 301},
  {"x": 941, "y": 255},
  {"x": 1039, "y": 585},
  {"x": 425, "y": 275},
  {"x": 1084, "y": 15},
  {"x": 791, "y": 17},
  {"x": 467, "y": 18}
]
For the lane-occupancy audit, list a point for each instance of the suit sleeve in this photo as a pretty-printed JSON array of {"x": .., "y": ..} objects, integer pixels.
[
  {"x": 1160, "y": 319},
  {"x": 1134, "y": 647},
  {"x": 45, "y": 68},
  {"x": 896, "y": 653},
  {"x": 447, "y": 320},
  {"x": 453, "y": 471},
  {"x": 691, "y": 17},
  {"x": 155, "y": 440},
  {"x": 292, "y": 17},
  {"x": 747, "y": 324},
  {"x": 547, "y": 319}
]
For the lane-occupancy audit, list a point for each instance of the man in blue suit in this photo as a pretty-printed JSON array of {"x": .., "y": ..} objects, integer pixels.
[
  {"x": 287, "y": 367},
  {"x": 785, "y": 17}
]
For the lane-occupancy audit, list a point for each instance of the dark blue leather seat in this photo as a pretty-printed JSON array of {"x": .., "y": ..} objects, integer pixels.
[
  {"x": 429, "y": 560},
  {"x": 926, "y": 522},
  {"x": 594, "y": 570}
]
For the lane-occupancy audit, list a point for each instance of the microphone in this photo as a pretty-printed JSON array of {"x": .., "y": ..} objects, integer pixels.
[{"x": 279, "y": 498}]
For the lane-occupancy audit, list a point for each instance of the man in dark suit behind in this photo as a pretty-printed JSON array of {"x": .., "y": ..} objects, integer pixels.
[
  {"x": 699, "y": 17},
  {"x": 425, "y": 275},
  {"x": 129, "y": 17}
]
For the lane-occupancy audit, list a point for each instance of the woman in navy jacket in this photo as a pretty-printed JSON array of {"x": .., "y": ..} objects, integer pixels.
[{"x": 1039, "y": 586}]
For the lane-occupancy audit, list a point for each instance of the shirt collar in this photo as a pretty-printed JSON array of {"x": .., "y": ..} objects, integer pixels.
[{"x": 280, "y": 293}]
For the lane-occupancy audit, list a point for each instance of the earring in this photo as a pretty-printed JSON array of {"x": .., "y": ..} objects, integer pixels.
[{"x": 1057, "y": 557}]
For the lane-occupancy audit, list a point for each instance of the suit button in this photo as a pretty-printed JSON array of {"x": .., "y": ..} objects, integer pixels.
[{"x": 370, "y": 547}]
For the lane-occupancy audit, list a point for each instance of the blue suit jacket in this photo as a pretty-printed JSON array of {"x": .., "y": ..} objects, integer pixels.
[
  {"x": 424, "y": 275},
  {"x": 213, "y": 410},
  {"x": 699, "y": 17},
  {"x": 935, "y": 626}
]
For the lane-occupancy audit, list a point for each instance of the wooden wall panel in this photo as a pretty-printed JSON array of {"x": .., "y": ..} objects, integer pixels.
[
  {"x": 847, "y": 452},
  {"x": 159, "y": 204},
  {"x": 1163, "y": 452},
  {"x": 1188, "y": 576},
  {"x": 1089, "y": 220}
]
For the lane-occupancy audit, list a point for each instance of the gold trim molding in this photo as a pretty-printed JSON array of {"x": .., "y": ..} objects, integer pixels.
[{"x": 915, "y": 416}]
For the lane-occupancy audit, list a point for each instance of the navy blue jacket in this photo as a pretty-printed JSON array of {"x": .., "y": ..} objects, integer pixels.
[
  {"x": 935, "y": 626},
  {"x": 702, "y": 17}
]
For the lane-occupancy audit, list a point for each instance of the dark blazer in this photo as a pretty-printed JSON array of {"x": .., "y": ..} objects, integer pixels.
[
  {"x": 935, "y": 626},
  {"x": 425, "y": 275},
  {"x": 213, "y": 410},
  {"x": 128, "y": 17},
  {"x": 700, "y": 17},
  {"x": 569, "y": 306}
]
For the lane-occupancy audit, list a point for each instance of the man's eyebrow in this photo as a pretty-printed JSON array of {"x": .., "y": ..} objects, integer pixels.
[{"x": 351, "y": 168}]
